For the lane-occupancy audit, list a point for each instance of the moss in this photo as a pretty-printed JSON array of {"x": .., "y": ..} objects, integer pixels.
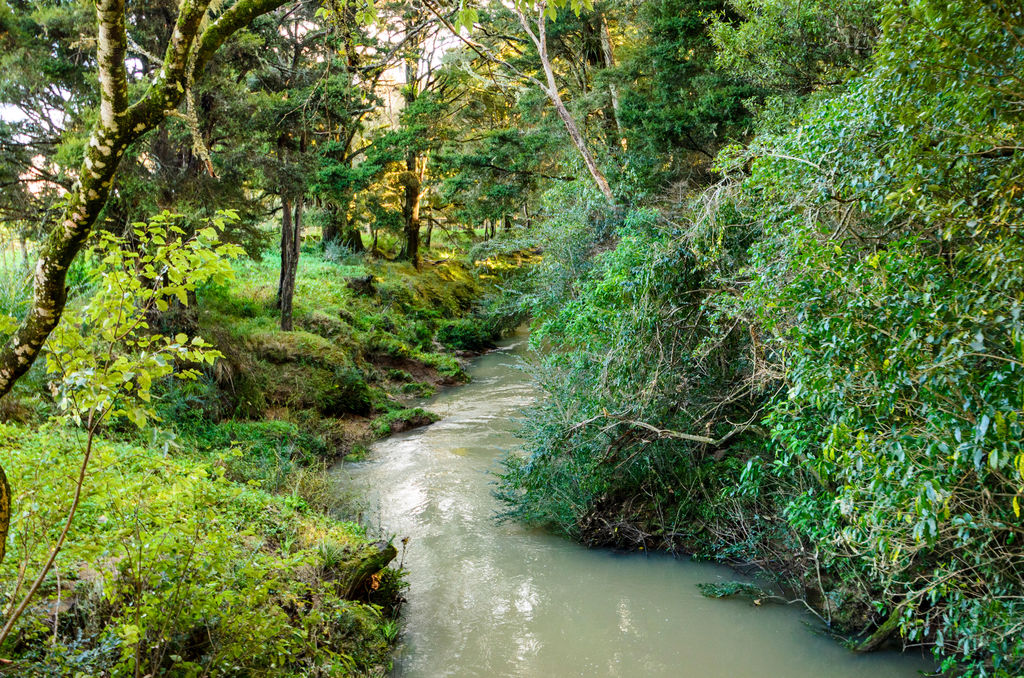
[
  {"x": 467, "y": 334},
  {"x": 351, "y": 354},
  {"x": 330, "y": 392},
  {"x": 397, "y": 421}
]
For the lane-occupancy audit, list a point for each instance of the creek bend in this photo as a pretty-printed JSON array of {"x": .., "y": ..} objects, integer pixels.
[{"x": 489, "y": 599}]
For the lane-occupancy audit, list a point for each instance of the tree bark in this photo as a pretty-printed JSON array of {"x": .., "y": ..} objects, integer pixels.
[
  {"x": 540, "y": 40},
  {"x": 5, "y": 512},
  {"x": 411, "y": 214},
  {"x": 119, "y": 125},
  {"x": 291, "y": 239}
]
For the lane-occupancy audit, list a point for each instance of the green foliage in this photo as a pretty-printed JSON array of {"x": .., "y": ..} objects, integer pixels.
[
  {"x": 795, "y": 47},
  {"x": 674, "y": 98},
  {"x": 397, "y": 421},
  {"x": 466, "y": 334},
  {"x": 103, "y": 353},
  {"x": 732, "y": 589},
  {"x": 822, "y": 353},
  {"x": 174, "y": 569}
]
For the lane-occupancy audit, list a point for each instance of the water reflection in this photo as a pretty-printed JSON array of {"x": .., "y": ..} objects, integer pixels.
[{"x": 499, "y": 600}]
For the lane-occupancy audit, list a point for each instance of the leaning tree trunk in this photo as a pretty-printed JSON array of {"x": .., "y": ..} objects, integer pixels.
[
  {"x": 118, "y": 126},
  {"x": 540, "y": 41}
]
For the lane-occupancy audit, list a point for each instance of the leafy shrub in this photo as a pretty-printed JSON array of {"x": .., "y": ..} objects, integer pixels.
[
  {"x": 176, "y": 570},
  {"x": 831, "y": 337},
  {"x": 466, "y": 334}
]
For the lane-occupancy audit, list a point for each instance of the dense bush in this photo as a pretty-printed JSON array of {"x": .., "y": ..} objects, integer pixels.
[
  {"x": 817, "y": 364},
  {"x": 176, "y": 570},
  {"x": 466, "y": 334}
]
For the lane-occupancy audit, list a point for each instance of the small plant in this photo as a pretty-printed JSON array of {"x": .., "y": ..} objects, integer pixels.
[
  {"x": 104, "y": 359},
  {"x": 333, "y": 556}
]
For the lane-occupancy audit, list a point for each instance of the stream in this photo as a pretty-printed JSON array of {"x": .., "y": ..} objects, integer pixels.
[{"x": 490, "y": 599}]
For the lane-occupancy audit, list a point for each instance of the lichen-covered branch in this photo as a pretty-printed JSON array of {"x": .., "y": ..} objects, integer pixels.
[{"x": 118, "y": 126}]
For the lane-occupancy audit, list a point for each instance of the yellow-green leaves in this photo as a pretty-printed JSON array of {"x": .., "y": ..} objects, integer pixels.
[{"x": 105, "y": 356}]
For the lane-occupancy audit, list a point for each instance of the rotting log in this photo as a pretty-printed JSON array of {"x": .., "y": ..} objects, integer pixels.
[
  {"x": 368, "y": 563},
  {"x": 881, "y": 634}
]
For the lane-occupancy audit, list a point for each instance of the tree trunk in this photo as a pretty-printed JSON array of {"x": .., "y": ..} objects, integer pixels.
[
  {"x": 5, "y": 512},
  {"x": 331, "y": 231},
  {"x": 290, "y": 240},
  {"x": 540, "y": 40},
  {"x": 119, "y": 125},
  {"x": 350, "y": 234},
  {"x": 411, "y": 213}
]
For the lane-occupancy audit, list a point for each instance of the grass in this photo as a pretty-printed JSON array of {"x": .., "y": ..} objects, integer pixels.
[
  {"x": 173, "y": 566},
  {"x": 206, "y": 545}
]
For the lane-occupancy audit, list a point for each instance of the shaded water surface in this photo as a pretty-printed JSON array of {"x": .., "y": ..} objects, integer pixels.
[{"x": 501, "y": 600}]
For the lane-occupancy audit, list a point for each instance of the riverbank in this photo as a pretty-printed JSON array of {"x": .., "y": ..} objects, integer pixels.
[
  {"x": 211, "y": 542},
  {"x": 503, "y": 599}
]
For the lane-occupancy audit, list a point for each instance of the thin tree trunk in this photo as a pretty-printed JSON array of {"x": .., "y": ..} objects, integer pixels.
[
  {"x": 291, "y": 227},
  {"x": 5, "y": 512},
  {"x": 332, "y": 232},
  {"x": 540, "y": 40}
]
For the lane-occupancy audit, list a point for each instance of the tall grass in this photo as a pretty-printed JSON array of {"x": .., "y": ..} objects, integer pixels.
[{"x": 15, "y": 276}]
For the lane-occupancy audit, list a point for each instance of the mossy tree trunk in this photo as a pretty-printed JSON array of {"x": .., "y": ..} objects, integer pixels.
[
  {"x": 411, "y": 214},
  {"x": 291, "y": 239},
  {"x": 120, "y": 123}
]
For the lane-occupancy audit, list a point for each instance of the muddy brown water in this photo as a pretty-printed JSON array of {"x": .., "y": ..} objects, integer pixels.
[{"x": 492, "y": 600}]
